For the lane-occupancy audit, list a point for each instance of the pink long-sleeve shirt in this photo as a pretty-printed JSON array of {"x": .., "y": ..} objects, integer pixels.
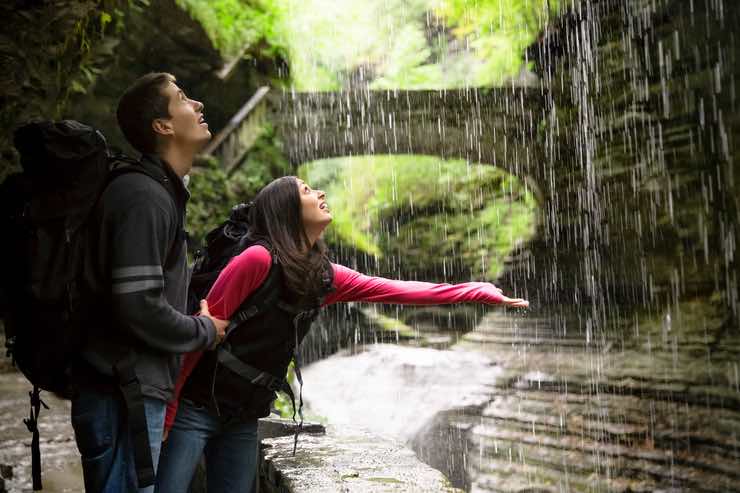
[{"x": 247, "y": 271}]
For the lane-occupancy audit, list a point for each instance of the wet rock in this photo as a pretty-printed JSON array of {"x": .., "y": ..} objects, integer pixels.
[
  {"x": 605, "y": 416},
  {"x": 345, "y": 460},
  {"x": 587, "y": 414},
  {"x": 61, "y": 469}
]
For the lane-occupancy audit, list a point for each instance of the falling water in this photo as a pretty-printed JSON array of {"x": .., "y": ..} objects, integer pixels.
[{"x": 624, "y": 375}]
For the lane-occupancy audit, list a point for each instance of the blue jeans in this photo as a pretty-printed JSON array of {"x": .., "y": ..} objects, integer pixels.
[
  {"x": 230, "y": 447},
  {"x": 104, "y": 442}
]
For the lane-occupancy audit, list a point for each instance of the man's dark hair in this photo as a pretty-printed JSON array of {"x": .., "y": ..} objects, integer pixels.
[{"x": 142, "y": 103}]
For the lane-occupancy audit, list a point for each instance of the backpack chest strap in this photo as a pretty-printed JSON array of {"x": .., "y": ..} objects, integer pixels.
[{"x": 252, "y": 374}]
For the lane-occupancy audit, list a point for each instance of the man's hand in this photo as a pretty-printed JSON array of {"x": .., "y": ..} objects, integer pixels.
[{"x": 217, "y": 322}]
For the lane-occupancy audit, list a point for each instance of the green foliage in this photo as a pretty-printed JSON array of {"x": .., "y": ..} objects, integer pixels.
[
  {"x": 214, "y": 192},
  {"x": 330, "y": 41},
  {"x": 236, "y": 25},
  {"x": 409, "y": 44},
  {"x": 49, "y": 53},
  {"x": 407, "y": 65},
  {"x": 423, "y": 215},
  {"x": 282, "y": 404},
  {"x": 498, "y": 31}
]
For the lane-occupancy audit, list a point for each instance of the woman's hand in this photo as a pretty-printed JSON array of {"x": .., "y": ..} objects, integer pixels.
[{"x": 514, "y": 302}]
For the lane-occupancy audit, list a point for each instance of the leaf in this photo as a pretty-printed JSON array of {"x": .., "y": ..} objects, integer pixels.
[
  {"x": 105, "y": 19},
  {"x": 77, "y": 88}
]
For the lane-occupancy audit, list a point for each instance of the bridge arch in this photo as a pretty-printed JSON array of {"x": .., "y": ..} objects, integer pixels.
[{"x": 492, "y": 126}]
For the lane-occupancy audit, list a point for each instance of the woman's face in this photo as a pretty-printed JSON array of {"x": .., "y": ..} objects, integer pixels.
[{"x": 315, "y": 211}]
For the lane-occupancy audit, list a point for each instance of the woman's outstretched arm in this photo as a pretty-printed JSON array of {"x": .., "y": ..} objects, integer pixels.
[{"x": 350, "y": 285}]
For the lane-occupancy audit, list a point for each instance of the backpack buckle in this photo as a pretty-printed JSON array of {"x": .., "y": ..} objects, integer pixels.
[{"x": 264, "y": 379}]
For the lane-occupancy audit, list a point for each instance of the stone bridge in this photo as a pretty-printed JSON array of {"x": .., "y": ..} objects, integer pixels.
[
  {"x": 494, "y": 126},
  {"x": 483, "y": 125}
]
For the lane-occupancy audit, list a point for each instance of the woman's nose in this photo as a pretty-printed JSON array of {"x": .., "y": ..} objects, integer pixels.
[
  {"x": 198, "y": 105},
  {"x": 320, "y": 194}
]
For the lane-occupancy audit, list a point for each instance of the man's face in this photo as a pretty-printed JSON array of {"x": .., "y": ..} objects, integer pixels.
[{"x": 186, "y": 124}]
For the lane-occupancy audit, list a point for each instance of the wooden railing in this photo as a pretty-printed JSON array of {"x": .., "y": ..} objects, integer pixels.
[{"x": 233, "y": 142}]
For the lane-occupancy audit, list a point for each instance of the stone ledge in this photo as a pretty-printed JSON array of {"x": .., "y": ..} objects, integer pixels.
[{"x": 342, "y": 460}]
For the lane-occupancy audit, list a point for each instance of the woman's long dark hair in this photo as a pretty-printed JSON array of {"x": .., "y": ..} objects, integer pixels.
[{"x": 276, "y": 216}]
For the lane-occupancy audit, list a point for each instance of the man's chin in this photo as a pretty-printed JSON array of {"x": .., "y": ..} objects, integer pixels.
[{"x": 203, "y": 142}]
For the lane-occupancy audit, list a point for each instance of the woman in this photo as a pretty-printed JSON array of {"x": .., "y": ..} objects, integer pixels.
[{"x": 218, "y": 409}]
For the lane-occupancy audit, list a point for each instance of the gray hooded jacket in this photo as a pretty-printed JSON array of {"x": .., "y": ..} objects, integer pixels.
[{"x": 141, "y": 266}]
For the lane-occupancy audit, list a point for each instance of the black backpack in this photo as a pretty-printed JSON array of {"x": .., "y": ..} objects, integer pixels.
[
  {"x": 44, "y": 215},
  {"x": 223, "y": 243},
  {"x": 46, "y": 288}
]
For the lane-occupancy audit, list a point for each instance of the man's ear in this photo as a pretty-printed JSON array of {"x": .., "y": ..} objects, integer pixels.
[{"x": 162, "y": 126}]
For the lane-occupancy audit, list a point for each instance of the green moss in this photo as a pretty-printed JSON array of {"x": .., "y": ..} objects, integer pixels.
[
  {"x": 499, "y": 31},
  {"x": 233, "y": 25},
  {"x": 51, "y": 51},
  {"x": 428, "y": 216},
  {"x": 390, "y": 324},
  {"x": 386, "y": 480}
]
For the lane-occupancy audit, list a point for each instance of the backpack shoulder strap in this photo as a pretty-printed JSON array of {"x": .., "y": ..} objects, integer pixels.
[
  {"x": 124, "y": 165},
  {"x": 130, "y": 387},
  {"x": 266, "y": 296}
]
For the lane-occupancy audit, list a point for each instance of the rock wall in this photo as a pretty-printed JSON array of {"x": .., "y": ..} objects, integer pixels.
[
  {"x": 640, "y": 183},
  {"x": 627, "y": 379}
]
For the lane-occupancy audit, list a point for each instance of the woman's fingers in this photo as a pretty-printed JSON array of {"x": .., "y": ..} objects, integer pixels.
[{"x": 516, "y": 302}]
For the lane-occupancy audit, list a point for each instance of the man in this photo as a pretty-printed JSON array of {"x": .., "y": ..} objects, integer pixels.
[{"x": 140, "y": 264}]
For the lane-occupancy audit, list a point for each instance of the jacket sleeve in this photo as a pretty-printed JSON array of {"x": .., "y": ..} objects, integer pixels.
[
  {"x": 142, "y": 232},
  {"x": 350, "y": 285},
  {"x": 238, "y": 280}
]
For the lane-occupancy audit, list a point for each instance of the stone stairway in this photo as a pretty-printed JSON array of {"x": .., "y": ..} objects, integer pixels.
[{"x": 574, "y": 412}]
